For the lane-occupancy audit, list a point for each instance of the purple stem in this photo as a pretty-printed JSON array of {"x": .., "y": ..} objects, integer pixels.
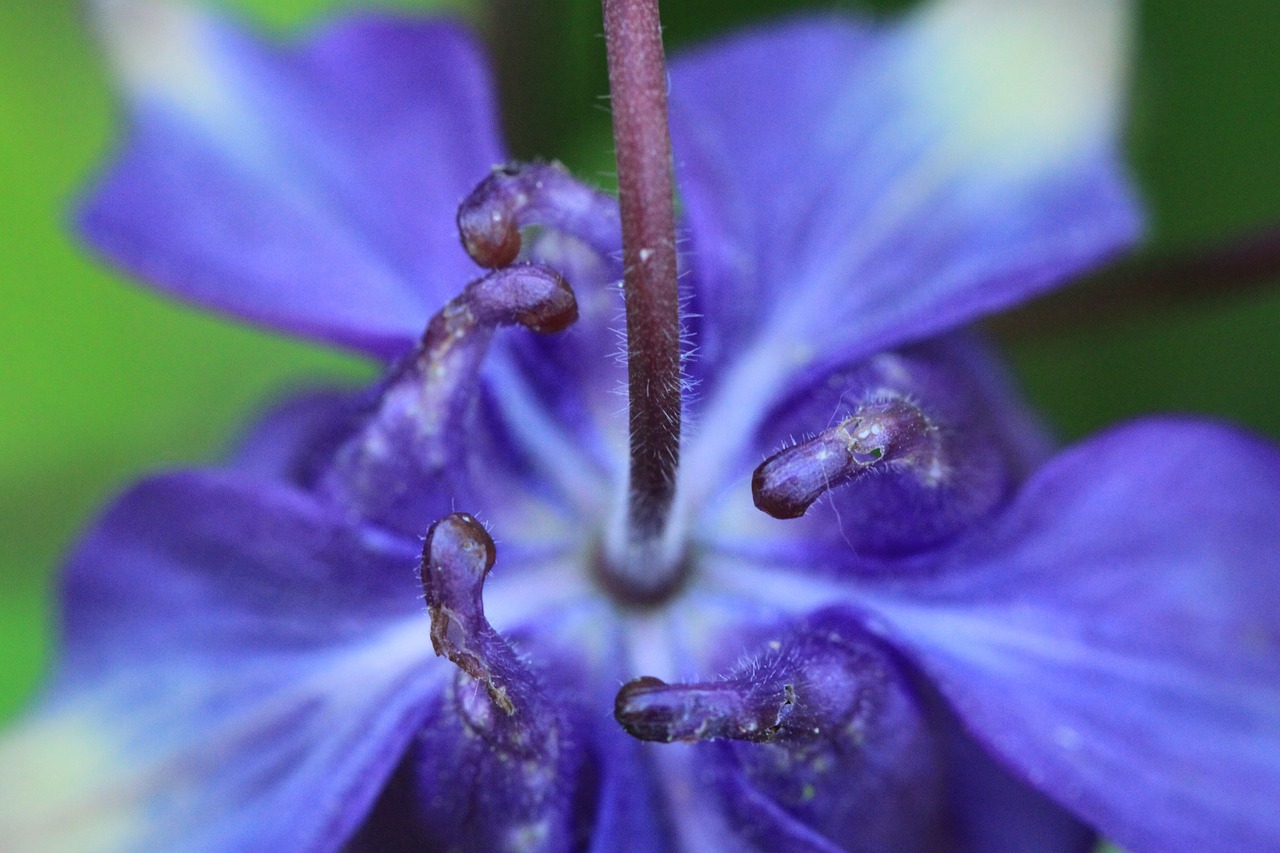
[{"x": 638, "y": 83}]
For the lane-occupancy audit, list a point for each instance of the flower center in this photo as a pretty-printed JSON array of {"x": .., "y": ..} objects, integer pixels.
[
  {"x": 641, "y": 560},
  {"x": 643, "y": 557},
  {"x": 618, "y": 587}
]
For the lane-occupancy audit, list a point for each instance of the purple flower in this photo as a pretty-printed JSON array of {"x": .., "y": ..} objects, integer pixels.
[{"x": 942, "y": 640}]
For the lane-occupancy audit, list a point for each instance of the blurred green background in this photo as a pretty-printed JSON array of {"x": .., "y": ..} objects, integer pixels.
[{"x": 102, "y": 381}]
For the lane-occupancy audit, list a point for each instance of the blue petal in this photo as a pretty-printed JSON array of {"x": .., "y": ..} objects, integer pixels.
[
  {"x": 850, "y": 188},
  {"x": 1114, "y": 638},
  {"x": 241, "y": 671},
  {"x": 296, "y": 439},
  {"x": 308, "y": 188},
  {"x": 994, "y": 812},
  {"x": 630, "y": 816}
]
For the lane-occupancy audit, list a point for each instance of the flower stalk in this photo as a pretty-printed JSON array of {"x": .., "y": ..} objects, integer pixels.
[{"x": 638, "y": 83}]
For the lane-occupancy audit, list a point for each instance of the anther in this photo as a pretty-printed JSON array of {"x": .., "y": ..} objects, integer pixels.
[
  {"x": 494, "y": 768},
  {"x": 823, "y": 726},
  {"x": 813, "y": 684},
  {"x": 518, "y": 196},
  {"x": 650, "y": 709},
  {"x": 456, "y": 559},
  {"x": 530, "y": 295},
  {"x": 407, "y": 462},
  {"x": 880, "y": 435}
]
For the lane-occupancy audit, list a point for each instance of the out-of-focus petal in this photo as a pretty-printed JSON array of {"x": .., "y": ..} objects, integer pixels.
[
  {"x": 310, "y": 188},
  {"x": 1114, "y": 637},
  {"x": 294, "y": 440},
  {"x": 242, "y": 670},
  {"x": 850, "y": 188}
]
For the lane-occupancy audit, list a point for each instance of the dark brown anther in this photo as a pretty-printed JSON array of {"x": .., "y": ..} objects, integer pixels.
[
  {"x": 488, "y": 226},
  {"x": 530, "y": 295},
  {"x": 490, "y": 233}
]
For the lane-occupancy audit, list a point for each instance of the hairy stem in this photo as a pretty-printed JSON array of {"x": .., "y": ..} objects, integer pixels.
[{"x": 637, "y": 81}]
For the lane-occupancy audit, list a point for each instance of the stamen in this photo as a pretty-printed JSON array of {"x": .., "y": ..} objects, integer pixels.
[
  {"x": 650, "y": 709},
  {"x": 407, "y": 462},
  {"x": 824, "y": 732},
  {"x": 814, "y": 685},
  {"x": 456, "y": 559},
  {"x": 497, "y": 770},
  {"x": 879, "y": 435},
  {"x": 529, "y": 295},
  {"x": 519, "y": 196}
]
